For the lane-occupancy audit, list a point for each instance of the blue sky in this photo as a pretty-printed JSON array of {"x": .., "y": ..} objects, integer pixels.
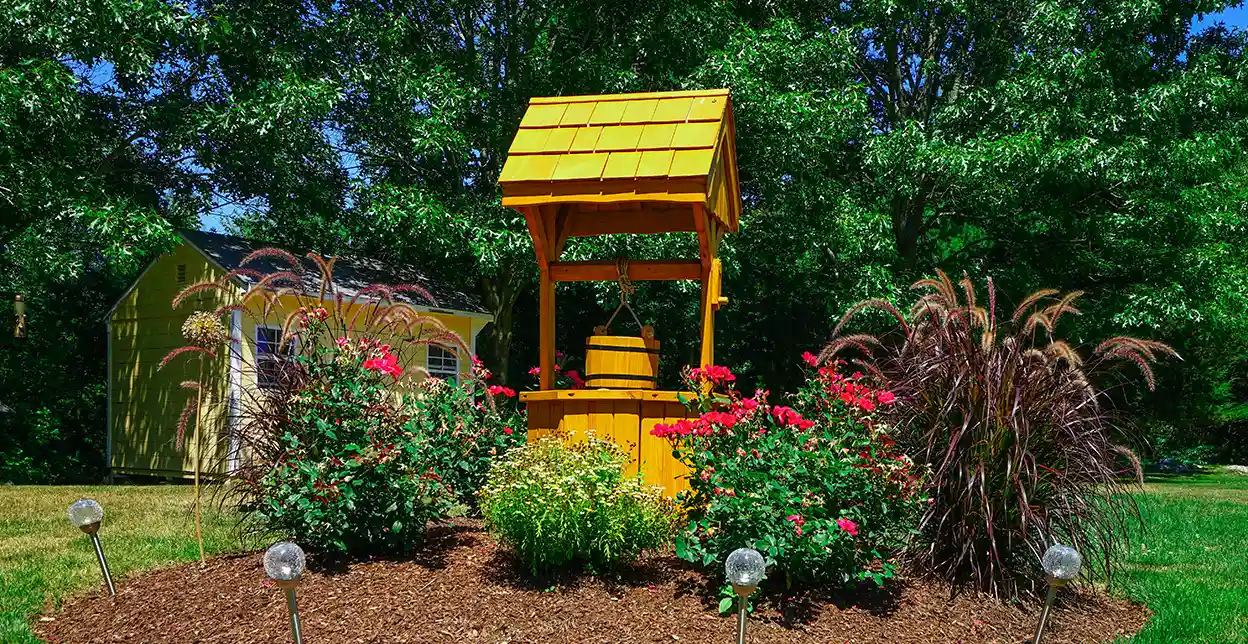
[{"x": 1233, "y": 17}]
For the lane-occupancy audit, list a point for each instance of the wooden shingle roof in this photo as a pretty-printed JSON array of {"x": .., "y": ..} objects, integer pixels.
[{"x": 672, "y": 147}]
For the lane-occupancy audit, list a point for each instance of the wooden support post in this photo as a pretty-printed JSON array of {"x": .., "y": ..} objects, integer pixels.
[
  {"x": 546, "y": 333},
  {"x": 708, "y": 247},
  {"x": 708, "y": 322}
]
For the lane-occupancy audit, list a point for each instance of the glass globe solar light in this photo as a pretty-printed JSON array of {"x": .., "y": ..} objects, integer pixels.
[
  {"x": 87, "y": 515},
  {"x": 284, "y": 563},
  {"x": 745, "y": 568},
  {"x": 1061, "y": 564}
]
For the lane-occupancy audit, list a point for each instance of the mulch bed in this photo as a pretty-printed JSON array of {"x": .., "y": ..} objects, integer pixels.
[{"x": 467, "y": 589}]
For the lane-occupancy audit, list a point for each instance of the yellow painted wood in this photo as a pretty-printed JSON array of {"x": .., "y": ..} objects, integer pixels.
[
  {"x": 621, "y": 98},
  {"x": 605, "y": 394},
  {"x": 626, "y": 422},
  {"x": 555, "y": 156},
  {"x": 617, "y": 355},
  {"x": 546, "y": 330}
]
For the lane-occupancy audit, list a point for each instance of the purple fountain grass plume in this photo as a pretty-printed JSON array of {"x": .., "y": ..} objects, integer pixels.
[
  {"x": 181, "y": 350},
  {"x": 1037, "y": 319},
  {"x": 940, "y": 284},
  {"x": 276, "y": 253},
  {"x": 883, "y": 305},
  {"x": 250, "y": 274},
  {"x": 280, "y": 276},
  {"x": 183, "y": 420},
  {"x": 440, "y": 338},
  {"x": 859, "y": 341},
  {"x": 418, "y": 290},
  {"x": 1127, "y": 352},
  {"x": 1060, "y": 349},
  {"x": 229, "y": 308},
  {"x": 327, "y": 273},
  {"x": 969, "y": 289},
  {"x": 1055, "y": 311},
  {"x": 992, "y": 305},
  {"x": 1145, "y": 347},
  {"x": 1031, "y": 300},
  {"x": 198, "y": 287}
]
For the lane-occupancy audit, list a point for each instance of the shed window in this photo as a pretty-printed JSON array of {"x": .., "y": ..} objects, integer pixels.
[
  {"x": 181, "y": 273},
  {"x": 443, "y": 363},
  {"x": 271, "y": 356}
]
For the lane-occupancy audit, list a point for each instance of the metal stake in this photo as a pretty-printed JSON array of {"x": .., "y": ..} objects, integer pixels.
[
  {"x": 292, "y": 607},
  {"x": 742, "y": 605},
  {"x": 1044, "y": 615},
  {"x": 99, "y": 553},
  {"x": 741, "y": 622}
]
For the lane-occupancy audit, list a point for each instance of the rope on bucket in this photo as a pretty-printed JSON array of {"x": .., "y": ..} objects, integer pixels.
[{"x": 627, "y": 289}]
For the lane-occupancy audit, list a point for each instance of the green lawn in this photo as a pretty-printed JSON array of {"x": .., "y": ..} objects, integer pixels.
[
  {"x": 44, "y": 559},
  {"x": 1191, "y": 568}
]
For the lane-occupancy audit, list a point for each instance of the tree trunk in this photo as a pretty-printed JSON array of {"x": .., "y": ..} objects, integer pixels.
[
  {"x": 501, "y": 294},
  {"x": 908, "y": 227}
]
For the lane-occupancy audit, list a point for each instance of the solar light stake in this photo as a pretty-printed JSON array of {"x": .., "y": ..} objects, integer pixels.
[
  {"x": 87, "y": 515},
  {"x": 284, "y": 562},
  {"x": 744, "y": 569},
  {"x": 1061, "y": 564}
]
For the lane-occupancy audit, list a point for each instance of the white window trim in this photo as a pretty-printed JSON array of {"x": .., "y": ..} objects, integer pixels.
[{"x": 442, "y": 372}]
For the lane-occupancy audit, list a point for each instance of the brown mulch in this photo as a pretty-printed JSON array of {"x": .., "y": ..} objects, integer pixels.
[{"x": 466, "y": 589}]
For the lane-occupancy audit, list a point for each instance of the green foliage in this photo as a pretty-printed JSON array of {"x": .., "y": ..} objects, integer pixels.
[
  {"x": 1088, "y": 145},
  {"x": 824, "y": 496},
  {"x": 558, "y": 505},
  {"x": 1018, "y": 440}
]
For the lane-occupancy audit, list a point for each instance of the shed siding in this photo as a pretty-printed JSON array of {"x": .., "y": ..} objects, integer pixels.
[{"x": 146, "y": 401}]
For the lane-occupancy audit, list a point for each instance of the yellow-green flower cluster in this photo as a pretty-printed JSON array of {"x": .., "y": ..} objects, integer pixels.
[{"x": 203, "y": 329}]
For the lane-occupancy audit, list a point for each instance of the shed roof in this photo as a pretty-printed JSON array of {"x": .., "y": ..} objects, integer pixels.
[
  {"x": 350, "y": 273},
  {"x": 655, "y": 147}
]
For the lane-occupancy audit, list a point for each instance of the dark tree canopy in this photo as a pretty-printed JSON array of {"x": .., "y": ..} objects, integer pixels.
[{"x": 1094, "y": 145}]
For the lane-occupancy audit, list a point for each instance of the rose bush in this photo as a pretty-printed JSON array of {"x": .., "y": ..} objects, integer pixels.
[
  {"x": 359, "y": 458},
  {"x": 818, "y": 487}
]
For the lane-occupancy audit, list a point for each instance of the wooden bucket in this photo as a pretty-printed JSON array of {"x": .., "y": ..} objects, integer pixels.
[{"x": 621, "y": 362}]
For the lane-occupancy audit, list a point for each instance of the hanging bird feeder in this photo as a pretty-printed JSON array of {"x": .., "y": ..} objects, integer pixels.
[{"x": 628, "y": 164}]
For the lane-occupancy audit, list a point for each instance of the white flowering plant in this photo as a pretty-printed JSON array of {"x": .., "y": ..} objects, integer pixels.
[{"x": 562, "y": 505}]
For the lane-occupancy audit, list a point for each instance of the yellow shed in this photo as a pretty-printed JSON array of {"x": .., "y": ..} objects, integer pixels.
[{"x": 145, "y": 403}]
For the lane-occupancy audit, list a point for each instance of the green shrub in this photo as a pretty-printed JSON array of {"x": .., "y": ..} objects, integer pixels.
[
  {"x": 558, "y": 505},
  {"x": 823, "y": 495},
  {"x": 1016, "y": 437}
]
